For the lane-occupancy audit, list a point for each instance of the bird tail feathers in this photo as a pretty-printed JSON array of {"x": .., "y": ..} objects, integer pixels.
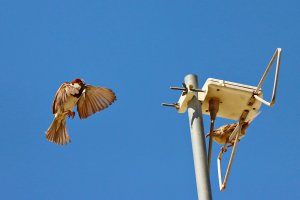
[{"x": 57, "y": 132}]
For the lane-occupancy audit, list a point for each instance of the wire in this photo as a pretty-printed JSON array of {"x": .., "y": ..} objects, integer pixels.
[{"x": 213, "y": 110}]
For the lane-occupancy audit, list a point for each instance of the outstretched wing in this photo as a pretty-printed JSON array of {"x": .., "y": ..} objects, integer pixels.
[
  {"x": 61, "y": 95},
  {"x": 94, "y": 99}
]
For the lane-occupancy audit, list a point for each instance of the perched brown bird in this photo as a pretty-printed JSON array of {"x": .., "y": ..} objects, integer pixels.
[
  {"x": 222, "y": 134},
  {"x": 88, "y": 99}
]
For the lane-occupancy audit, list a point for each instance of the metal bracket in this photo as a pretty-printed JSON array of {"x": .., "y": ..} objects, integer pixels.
[
  {"x": 186, "y": 96},
  {"x": 277, "y": 55}
]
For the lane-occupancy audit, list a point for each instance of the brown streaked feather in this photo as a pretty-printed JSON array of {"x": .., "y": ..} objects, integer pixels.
[
  {"x": 221, "y": 134},
  {"x": 61, "y": 96},
  {"x": 94, "y": 99}
]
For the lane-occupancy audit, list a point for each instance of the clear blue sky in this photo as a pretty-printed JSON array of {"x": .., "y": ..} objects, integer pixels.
[{"x": 137, "y": 149}]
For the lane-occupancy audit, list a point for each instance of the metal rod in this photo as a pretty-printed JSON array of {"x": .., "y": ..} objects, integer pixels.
[
  {"x": 178, "y": 88},
  {"x": 230, "y": 160},
  {"x": 272, "y": 101},
  {"x": 276, "y": 54},
  {"x": 220, "y": 168},
  {"x": 197, "y": 90},
  {"x": 198, "y": 142},
  {"x": 170, "y": 104}
]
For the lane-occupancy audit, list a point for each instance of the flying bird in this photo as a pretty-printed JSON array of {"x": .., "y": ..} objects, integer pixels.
[
  {"x": 88, "y": 99},
  {"x": 223, "y": 133}
]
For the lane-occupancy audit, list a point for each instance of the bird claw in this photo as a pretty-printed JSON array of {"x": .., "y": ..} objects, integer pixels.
[
  {"x": 71, "y": 114},
  {"x": 223, "y": 149}
]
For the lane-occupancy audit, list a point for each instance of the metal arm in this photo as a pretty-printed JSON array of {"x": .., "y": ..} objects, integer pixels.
[
  {"x": 222, "y": 184},
  {"x": 235, "y": 134},
  {"x": 277, "y": 55}
]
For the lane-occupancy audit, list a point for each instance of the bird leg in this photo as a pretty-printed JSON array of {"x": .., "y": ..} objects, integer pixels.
[
  {"x": 70, "y": 114},
  {"x": 223, "y": 149}
]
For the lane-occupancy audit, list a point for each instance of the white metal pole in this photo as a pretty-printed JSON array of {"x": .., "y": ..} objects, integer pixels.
[{"x": 198, "y": 142}]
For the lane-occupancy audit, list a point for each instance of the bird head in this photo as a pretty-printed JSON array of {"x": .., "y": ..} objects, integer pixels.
[{"x": 78, "y": 83}]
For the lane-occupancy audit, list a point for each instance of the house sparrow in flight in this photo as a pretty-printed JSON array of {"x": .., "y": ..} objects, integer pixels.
[
  {"x": 88, "y": 99},
  {"x": 222, "y": 134}
]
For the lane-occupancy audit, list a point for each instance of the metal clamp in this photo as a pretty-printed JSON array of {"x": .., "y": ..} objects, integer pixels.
[{"x": 186, "y": 96}]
